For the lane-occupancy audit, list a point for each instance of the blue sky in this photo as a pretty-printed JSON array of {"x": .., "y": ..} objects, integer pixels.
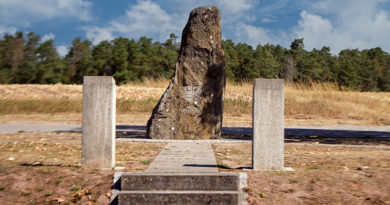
[{"x": 339, "y": 24}]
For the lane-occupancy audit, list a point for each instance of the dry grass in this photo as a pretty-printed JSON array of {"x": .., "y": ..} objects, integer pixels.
[
  {"x": 74, "y": 92},
  {"x": 325, "y": 101},
  {"x": 317, "y": 102}
]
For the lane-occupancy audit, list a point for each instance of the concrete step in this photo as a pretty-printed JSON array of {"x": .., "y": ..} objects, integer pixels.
[
  {"x": 158, "y": 181},
  {"x": 189, "y": 197}
]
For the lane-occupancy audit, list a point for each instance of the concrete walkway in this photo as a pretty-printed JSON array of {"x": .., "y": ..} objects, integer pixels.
[
  {"x": 185, "y": 157},
  {"x": 49, "y": 127}
]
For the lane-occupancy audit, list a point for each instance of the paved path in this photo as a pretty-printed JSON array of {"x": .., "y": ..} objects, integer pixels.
[
  {"x": 326, "y": 131},
  {"x": 56, "y": 127},
  {"x": 185, "y": 157},
  {"x": 15, "y": 128}
]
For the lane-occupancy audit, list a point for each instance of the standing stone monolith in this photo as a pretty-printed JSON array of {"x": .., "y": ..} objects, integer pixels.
[
  {"x": 268, "y": 125},
  {"x": 99, "y": 102},
  {"x": 191, "y": 107}
]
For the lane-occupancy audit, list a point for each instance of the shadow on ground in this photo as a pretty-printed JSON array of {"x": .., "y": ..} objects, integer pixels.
[{"x": 326, "y": 136}]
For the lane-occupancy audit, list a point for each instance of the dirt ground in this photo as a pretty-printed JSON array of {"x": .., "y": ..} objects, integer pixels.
[
  {"x": 45, "y": 169},
  {"x": 323, "y": 174}
]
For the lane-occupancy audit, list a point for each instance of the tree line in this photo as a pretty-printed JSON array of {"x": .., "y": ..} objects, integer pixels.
[{"x": 25, "y": 59}]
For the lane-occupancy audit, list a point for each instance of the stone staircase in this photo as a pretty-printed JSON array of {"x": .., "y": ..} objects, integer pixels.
[
  {"x": 183, "y": 173},
  {"x": 157, "y": 188}
]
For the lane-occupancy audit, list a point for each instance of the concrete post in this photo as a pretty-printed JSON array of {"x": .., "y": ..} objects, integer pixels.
[
  {"x": 268, "y": 125},
  {"x": 99, "y": 102}
]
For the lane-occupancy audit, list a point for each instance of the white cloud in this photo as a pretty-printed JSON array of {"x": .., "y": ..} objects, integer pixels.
[
  {"x": 148, "y": 18},
  {"x": 226, "y": 6},
  {"x": 257, "y": 35},
  {"x": 349, "y": 26},
  {"x": 145, "y": 18},
  {"x": 22, "y": 12},
  {"x": 273, "y": 6},
  {"x": 234, "y": 6},
  {"x": 62, "y": 50},
  {"x": 253, "y": 35},
  {"x": 47, "y": 37},
  {"x": 338, "y": 24},
  {"x": 7, "y": 29},
  {"x": 232, "y": 12},
  {"x": 236, "y": 11},
  {"x": 315, "y": 30},
  {"x": 267, "y": 20},
  {"x": 97, "y": 34}
]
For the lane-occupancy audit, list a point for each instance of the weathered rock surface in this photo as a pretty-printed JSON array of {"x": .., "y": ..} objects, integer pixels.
[{"x": 191, "y": 107}]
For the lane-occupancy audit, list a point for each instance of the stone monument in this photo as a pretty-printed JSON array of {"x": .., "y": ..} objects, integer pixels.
[{"x": 192, "y": 105}]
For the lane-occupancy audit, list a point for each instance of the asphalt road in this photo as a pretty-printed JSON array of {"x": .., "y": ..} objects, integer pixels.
[{"x": 325, "y": 131}]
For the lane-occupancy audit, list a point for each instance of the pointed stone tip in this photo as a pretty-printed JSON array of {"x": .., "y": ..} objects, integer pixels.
[{"x": 203, "y": 9}]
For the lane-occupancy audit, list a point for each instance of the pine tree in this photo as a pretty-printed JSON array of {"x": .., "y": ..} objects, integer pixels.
[
  {"x": 51, "y": 69},
  {"x": 102, "y": 57},
  {"x": 119, "y": 62},
  {"x": 27, "y": 71},
  {"x": 79, "y": 61}
]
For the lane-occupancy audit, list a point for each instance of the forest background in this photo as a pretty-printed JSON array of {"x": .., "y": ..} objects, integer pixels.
[{"x": 25, "y": 59}]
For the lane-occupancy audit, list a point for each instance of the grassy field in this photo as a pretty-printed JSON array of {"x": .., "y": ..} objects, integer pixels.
[{"x": 319, "y": 103}]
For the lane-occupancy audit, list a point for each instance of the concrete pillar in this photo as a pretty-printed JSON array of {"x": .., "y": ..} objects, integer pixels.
[
  {"x": 268, "y": 125},
  {"x": 99, "y": 102}
]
